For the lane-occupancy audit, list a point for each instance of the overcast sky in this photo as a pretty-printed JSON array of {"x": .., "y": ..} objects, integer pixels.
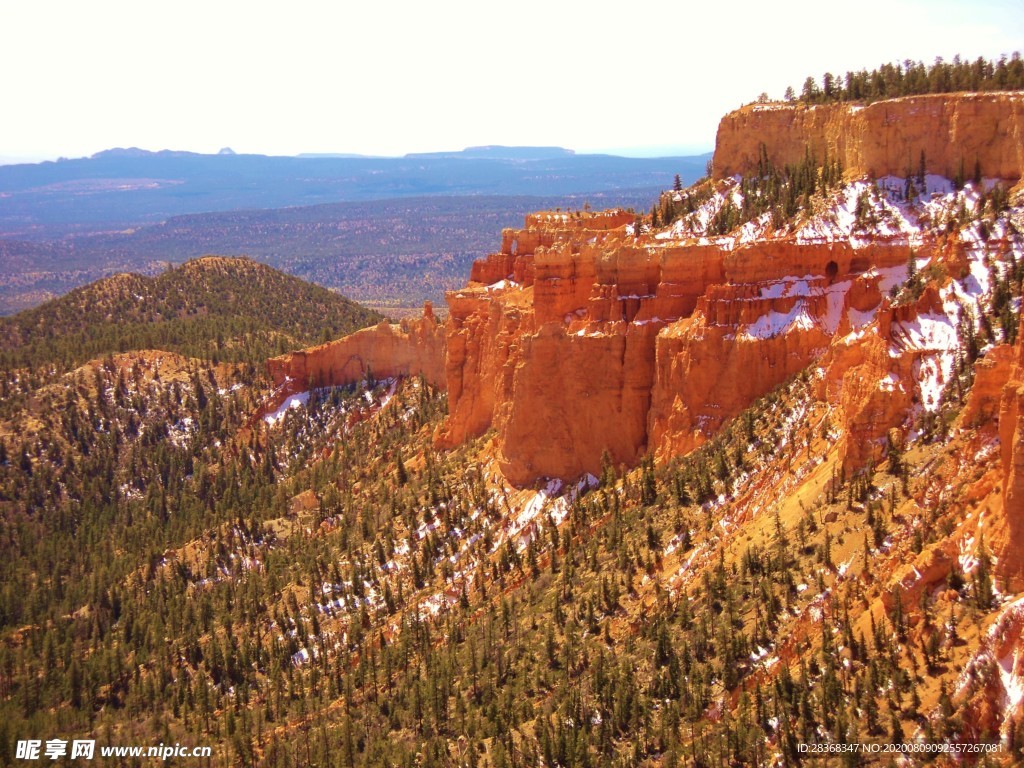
[{"x": 396, "y": 77}]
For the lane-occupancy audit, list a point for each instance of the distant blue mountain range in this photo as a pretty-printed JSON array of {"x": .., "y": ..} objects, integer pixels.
[{"x": 122, "y": 187}]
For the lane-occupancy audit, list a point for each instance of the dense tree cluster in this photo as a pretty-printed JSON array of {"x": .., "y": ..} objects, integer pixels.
[{"x": 911, "y": 78}]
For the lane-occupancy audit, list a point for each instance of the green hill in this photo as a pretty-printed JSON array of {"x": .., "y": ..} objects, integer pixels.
[{"x": 215, "y": 308}]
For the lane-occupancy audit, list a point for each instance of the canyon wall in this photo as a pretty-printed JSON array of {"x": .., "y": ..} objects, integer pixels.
[
  {"x": 551, "y": 343},
  {"x": 409, "y": 348},
  {"x": 579, "y": 339},
  {"x": 996, "y": 403},
  {"x": 954, "y": 131},
  {"x": 1009, "y": 528}
]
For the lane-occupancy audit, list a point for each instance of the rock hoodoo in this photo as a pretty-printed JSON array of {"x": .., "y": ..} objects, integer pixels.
[{"x": 551, "y": 343}]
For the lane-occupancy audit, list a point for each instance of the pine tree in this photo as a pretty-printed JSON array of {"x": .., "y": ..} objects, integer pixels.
[
  {"x": 982, "y": 580},
  {"x": 401, "y": 475}
]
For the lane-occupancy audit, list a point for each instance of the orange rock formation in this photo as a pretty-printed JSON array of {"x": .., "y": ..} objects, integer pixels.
[
  {"x": 1009, "y": 528},
  {"x": 996, "y": 402},
  {"x": 408, "y": 348},
  {"x": 552, "y": 342},
  {"x": 954, "y": 131},
  {"x": 579, "y": 339}
]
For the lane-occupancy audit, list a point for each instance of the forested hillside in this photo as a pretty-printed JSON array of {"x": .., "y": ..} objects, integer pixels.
[{"x": 222, "y": 309}]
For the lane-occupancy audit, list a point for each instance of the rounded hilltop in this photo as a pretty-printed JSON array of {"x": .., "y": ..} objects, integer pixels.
[{"x": 231, "y": 307}]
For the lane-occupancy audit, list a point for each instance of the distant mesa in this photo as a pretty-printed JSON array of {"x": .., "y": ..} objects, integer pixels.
[
  {"x": 121, "y": 152},
  {"x": 136, "y": 152},
  {"x": 489, "y": 152},
  {"x": 128, "y": 153},
  {"x": 91, "y": 194}
]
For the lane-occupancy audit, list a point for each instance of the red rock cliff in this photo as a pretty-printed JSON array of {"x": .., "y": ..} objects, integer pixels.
[
  {"x": 1009, "y": 529},
  {"x": 551, "y": 343},
  {"x": 409, "y": 348},
  {"x": 953, "y": 130},
  {"x": 579, "y": 338}
]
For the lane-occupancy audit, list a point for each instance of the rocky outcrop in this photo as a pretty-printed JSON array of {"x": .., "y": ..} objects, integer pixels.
[
  {"x": 991, "y": 691},
  {"x": 873, "y": 379},
  {"x": 914, "y": 580},
  {"x": 995, "y": 407},
  {"x": 579, "y": 339},
  {"x": 738, "y": 345},
  {"x": 556, "y": 351},
  {"x": 954, "y": 131},
  {"x": 412, "y": 347},
  {"x": 1009, "y": 528},
  {"x": 991, "y": 374}
]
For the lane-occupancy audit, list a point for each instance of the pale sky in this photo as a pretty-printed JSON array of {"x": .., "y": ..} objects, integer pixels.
[{"x": 395, "y": 77}]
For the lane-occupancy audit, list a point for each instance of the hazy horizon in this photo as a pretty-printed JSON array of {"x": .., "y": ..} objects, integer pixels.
[{"x": 633, "y": 152}]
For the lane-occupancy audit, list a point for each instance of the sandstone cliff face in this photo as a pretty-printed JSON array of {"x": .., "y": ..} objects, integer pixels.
[
  {"x": 991, "y": 375},
  {"x": 555, "y": 352},
  {"x": 1009, "y": 528},
  {"x": 737, "y": 346},
  {"x": 405, "y": 349},
  {"x": 589, "y": 339},
  {"x": 573, "y": 398},
  {"x": 954, "y": 131}
]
